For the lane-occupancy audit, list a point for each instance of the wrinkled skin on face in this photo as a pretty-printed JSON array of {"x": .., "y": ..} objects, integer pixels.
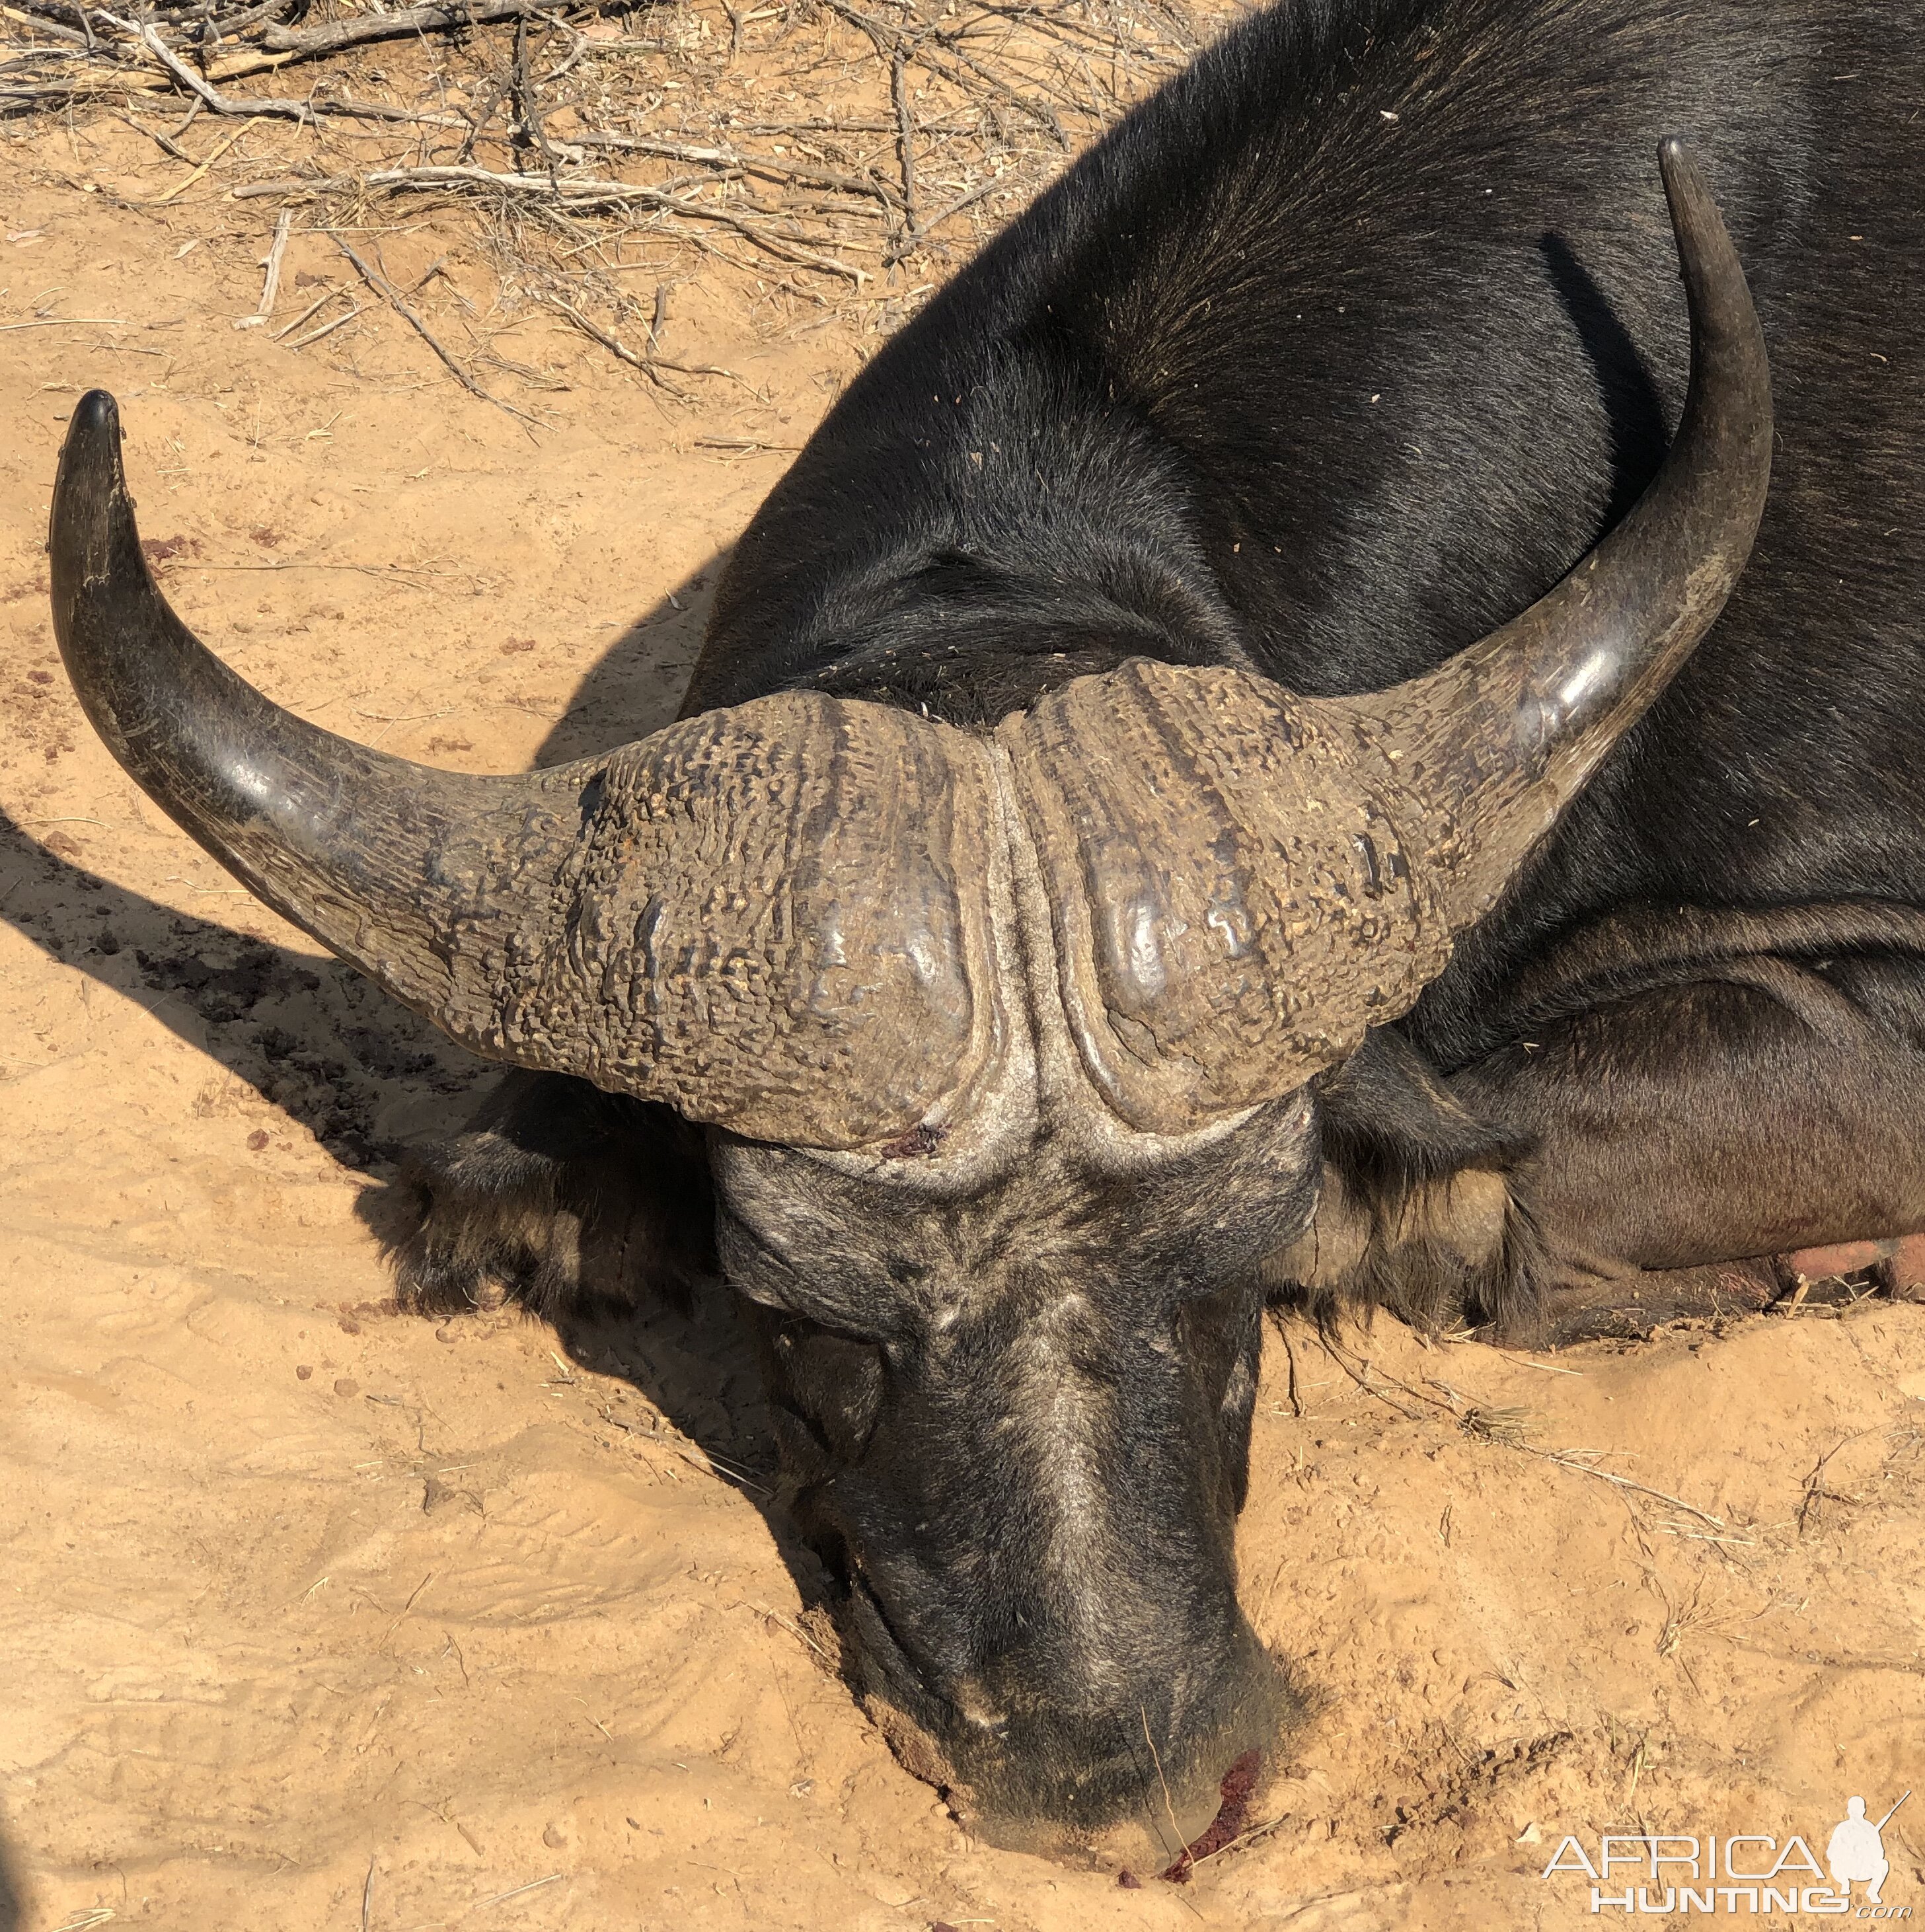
[{"x": 1017, "y": 1422}]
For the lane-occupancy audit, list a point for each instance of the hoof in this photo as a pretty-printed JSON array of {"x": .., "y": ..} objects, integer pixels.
[
  {"x": 1633, "y": 1307},
  {"x": 1896, "y": 1264}
]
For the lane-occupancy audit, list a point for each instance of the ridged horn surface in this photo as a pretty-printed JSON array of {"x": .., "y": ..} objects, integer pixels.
[
  {"x": 775, "y": 918},
  {"x": 782, "y": 911},
  {"x": 790, "y": 918},
  {"x": 1242, "y": 882},
  {"x": 1233, "y": 901}
]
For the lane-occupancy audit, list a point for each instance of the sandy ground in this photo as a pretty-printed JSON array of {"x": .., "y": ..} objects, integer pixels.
[{"x": 315, "y": 1615}]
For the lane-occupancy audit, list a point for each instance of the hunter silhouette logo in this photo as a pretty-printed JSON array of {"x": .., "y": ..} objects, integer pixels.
[
  {"x": 1856, "y": 1851},
  {"x": 1748, "y": 1872}
]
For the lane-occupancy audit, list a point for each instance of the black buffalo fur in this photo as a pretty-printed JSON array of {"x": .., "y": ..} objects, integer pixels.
[
  {"x": 1419, "y": 1212},
  {"x": 558, "y": 1196},
  {"x": 1332, "y": 357}
]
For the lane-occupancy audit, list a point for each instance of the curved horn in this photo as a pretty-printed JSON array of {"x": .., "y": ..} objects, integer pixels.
[
  {"x": 1241, "y": 882},
  {"x": 744, "y": 916},
  {"x": 1492, "y": 745}
]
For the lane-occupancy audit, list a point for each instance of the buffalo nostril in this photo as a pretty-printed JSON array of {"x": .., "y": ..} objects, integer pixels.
[{"x": 902, "y": 1675}]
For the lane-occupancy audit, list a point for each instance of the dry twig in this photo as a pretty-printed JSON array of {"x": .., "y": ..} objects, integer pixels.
[
  {"x": 650, "y": 364},
  {"x": 901, "y": 128},
  {"x": 391, "y": 295},
  {"x": 403, "y": 24},
  {"x": 270, "y": 287}
]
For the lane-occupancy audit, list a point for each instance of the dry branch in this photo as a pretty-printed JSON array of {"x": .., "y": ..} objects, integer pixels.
[
  {"x": 306, "y": 112},
  {"x": 210, "y": 95},
  {"x": 80, "y": 36},
  {"x": 614, "y": 345},
  {"x": 905, "y": 145},
  {"x": 650, "y": 364},
  {"x": 968, "y": 199},
  {"x": 325, "y": 328},
  {"x": 888, "y": 39},
  {"x": 728, "y": 158},
  {"x": 270, "y": 287},
  {"x": 705, "y": 134},
  {"x": 308, "y": 314},
  {"x": 409, "y": 21},
  {"x": 213, "y": 153},
  {"x": 392, "y": 296},
  {"x": 574, "y": 192}
]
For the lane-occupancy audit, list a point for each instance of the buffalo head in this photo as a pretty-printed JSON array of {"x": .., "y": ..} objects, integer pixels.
[{"x": 1005, "y": 1043}]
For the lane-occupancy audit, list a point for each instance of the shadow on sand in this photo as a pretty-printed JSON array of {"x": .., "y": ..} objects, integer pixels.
[
  {"x": 12, "y": 1905},
  {"x": 367, "y": 1078}
]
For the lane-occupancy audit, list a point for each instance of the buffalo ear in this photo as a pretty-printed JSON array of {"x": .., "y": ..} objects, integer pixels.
[
  {"x": 560, "y": 1197},
  {"x": 1422, "y": 1211},
  {"x": 1387, "y": 1117}
]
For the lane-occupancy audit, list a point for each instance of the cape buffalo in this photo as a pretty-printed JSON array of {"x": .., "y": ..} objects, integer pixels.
[{"x": 1199, "y": 788}]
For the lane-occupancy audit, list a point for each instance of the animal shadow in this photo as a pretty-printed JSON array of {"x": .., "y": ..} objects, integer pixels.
[
  {"x": 12, "y": 1906},
  {"x": 309, "y": 1034},
  {"x": 315, "y": 1039},
  {"x": 635, "y": 686},
  {"x": 1634, "y": 410},
  {"x": 687, "y": 1355}
]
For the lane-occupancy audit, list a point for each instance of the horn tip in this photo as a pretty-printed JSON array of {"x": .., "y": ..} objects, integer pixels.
[
  {"x": 1685, "y": 187},
  {"x": 90, "y": 456},
  {"x": 93, "y": 436},
  {"x": 90, "y": 502},
  {"x": 96, "y": 414},
  {"x": 1677, "y": 162}
]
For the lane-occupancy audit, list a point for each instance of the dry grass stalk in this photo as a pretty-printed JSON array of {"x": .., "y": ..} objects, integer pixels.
[
  {"x": 1169, "y": 1806},
  {"x": 650, "y": 365},
  {"x": 1504, "y": 1427},
  {"x": 831, "y": 152},
  {"x": 389, "y": 293}
]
